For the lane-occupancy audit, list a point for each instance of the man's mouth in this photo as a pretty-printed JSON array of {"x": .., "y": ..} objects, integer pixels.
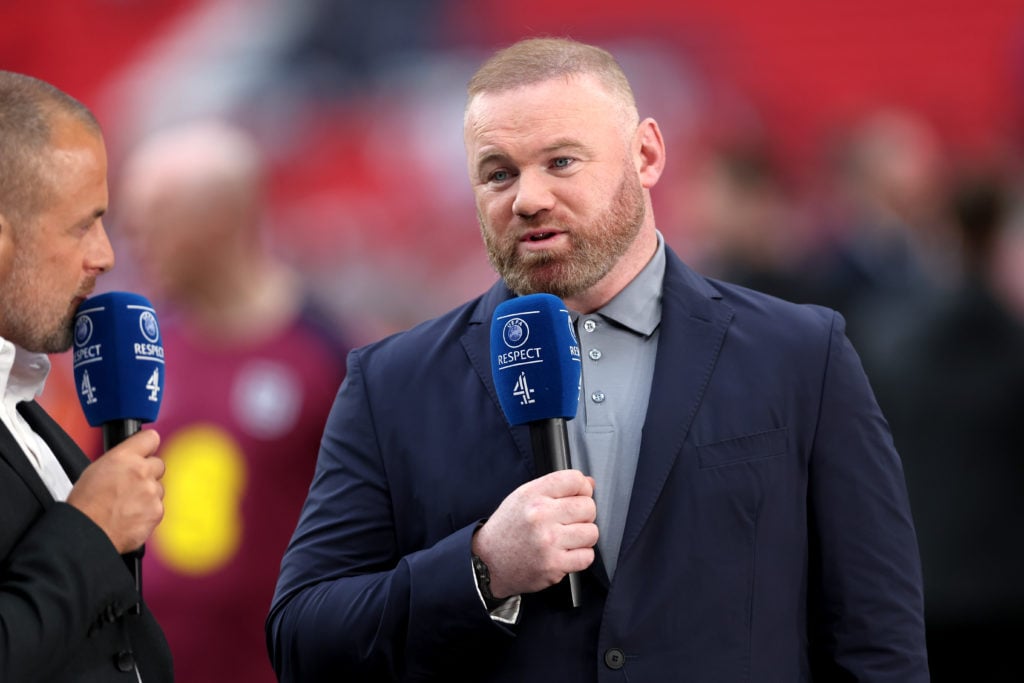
[
  {"x": 83, "y": 293},
  {"x": 539, "y": 236}
]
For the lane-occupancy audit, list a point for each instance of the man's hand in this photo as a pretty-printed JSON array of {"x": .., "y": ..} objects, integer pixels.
[
  {"x": 542, "y": 531},
  {"x": 121, "y": 491}
]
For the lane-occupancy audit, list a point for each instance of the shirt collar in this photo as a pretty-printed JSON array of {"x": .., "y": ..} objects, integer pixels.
[
  {"x": 638, "y": 306},
  {"x": 22, "y": 373}
]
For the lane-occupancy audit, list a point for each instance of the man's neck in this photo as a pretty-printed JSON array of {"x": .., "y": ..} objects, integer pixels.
[
  {"x": 258, "y": 309},
  {"x": 626, "y": 268}
]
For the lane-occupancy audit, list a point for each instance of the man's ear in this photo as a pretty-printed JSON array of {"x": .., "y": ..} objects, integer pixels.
[{"x": 649, "y": 152}]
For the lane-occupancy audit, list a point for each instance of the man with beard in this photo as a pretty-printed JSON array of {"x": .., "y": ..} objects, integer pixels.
[
  {"x": 66, "y": 596},
  {"x": 739, "y": 512}
]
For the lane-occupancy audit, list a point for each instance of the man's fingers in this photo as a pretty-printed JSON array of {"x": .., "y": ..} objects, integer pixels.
[
  {"x": 145, "y": 442},
  {"x": 575, "y": 510},
  {"x": 579, "y": 559},
  {"x": 155, "y": 467},
  {"x": 564, "y": 483},
  {"x": 579, "y": 536}
]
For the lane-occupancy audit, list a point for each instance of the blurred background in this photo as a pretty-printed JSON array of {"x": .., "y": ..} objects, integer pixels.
[{"x": 863, "y": 154}]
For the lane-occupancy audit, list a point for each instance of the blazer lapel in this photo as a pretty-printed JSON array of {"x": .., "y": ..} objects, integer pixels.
[
  {"x": 13, "y": 454},
  {"x": 693, "y": 327},
  {"x": 70, "y": 456},
  {"x": 477, "y": 341}
]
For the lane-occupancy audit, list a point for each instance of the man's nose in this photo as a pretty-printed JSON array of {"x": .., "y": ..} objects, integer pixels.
[
  {"x": 100, "y": 256},
  {"x": 533, "y": 194}
]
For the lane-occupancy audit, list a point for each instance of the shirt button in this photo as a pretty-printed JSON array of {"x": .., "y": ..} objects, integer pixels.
[
  {"x": 124, "y": 661},
  {"x": 597, "y": 397},
  {"x": 595, "y": 354},
  {"x": 614, "y": 658},
  {"x": 589, "y": 325}
]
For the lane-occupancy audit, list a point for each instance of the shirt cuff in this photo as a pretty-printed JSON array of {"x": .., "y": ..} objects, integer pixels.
[{"x": 508, "y": 611}]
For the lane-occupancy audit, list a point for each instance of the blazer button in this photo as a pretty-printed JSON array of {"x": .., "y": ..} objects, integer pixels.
[
  {"x": 614, "y": 658},
  {"x": 124, "y": 660}
]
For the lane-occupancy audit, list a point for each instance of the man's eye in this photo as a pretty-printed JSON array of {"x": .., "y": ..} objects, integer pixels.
[
  {"x": 562, "y": 162},
  {"x": 499, "y": 176}
]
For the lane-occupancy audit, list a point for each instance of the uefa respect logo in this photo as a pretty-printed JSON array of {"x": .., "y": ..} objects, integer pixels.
[
  {"x": 148, "y": 326},
  {"x": 83, "y": 330},
  {"x": 515, "y": 333}
]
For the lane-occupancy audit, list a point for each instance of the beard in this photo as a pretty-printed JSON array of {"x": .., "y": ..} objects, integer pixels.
[
  {"x": 593, "y": 250},
  {"x": 31, "y": 322}
]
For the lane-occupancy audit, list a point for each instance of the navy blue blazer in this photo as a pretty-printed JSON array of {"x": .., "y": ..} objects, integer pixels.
[{"x": 769, "y": 536}]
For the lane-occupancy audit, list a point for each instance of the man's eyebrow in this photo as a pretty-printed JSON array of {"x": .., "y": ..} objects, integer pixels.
[
  {"x": 565, "y": 144},
  {"x": 491, "y": 158},
  {"x": 561, "y": 145},
  {"x": 93, "y": 217}
]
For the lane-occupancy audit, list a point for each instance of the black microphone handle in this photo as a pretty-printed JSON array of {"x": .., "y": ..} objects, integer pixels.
[
  {"x": 550, "y": 438},
  {"x": 114, "y": 433}
]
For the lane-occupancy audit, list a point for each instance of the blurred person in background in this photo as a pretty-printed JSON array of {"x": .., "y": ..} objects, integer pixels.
[
  {"x": 67, "y": 598},
  {"x": 742, "y": 209},
  {"x": 1008, "y": 255},
  {"x": 951, "y": 382},
  {"x": 738, "y": 512},
  {"x": 887, "y": 235},
  {"x": 251, "y": 372}
]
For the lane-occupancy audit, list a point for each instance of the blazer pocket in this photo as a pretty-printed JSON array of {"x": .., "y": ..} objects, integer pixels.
[{"x": 742, "y": 449}]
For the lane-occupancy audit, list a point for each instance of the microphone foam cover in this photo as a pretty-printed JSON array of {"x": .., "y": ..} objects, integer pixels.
[
  {"x": 118, "y": 358},
  {"x": 535, "y": 359}
]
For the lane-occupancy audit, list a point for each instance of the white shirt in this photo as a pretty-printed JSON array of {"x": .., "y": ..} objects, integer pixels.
[{"x": 22, "y": 377}]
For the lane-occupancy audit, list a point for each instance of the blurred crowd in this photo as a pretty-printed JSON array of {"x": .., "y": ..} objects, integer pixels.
[
  {"x": 320, "y": 202},
  {"x": 923, "y": 257}
]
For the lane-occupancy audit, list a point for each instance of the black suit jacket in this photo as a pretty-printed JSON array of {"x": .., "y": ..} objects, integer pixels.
[{"x": 65, "y": 592}]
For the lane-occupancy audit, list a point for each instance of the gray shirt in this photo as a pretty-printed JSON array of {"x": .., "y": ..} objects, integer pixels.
[{"x": 619, "y": 343}]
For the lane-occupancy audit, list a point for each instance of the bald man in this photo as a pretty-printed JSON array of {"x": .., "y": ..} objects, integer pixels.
[{"x": 251, "y": 373}]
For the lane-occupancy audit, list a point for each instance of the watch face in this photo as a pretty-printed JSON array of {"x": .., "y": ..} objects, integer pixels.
[{"x": 483, "y": 578}]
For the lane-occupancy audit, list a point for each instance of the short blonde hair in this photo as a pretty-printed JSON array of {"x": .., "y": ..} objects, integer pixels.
[{"x": 535, "y": 60}]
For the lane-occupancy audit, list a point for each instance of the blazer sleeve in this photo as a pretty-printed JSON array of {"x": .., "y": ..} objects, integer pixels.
[
  {"x": 349, "y": 604},
  {"x": 57, "y": 581},
  {"x": 866, "y": 604}
]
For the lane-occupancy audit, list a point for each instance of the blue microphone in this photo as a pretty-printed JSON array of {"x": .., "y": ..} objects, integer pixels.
[
  {"x": 118, "y": 363},
  {"x": 119, "y": 372},
  {"x": 535, "y": 363}
]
